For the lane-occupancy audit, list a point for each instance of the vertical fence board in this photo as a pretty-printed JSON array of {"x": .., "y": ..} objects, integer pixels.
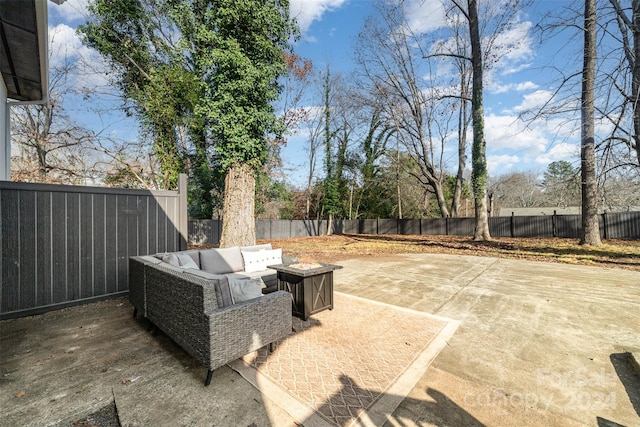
[
  {"x": 111, "y": 244},
  {"x": 122, "y": 245},
  {"x": 73, "y": 246},
  {"x": 86, "y": 246},
  {"x": 59, "y": 246},
  {"x": 10, "y": 211},
  {"x": 27, "y": 244},
  {"x": 152, "y": 225},
  {"x": 44, "y": 293},
  {"x": 142, "y": 228},
  {"x": 99, "y": 243}
]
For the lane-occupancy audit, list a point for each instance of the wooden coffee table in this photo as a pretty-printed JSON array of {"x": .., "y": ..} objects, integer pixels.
[{"x": 311, "y": 289}]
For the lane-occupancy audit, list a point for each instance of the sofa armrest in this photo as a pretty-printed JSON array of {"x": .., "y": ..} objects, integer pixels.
[
  {"x": 247, "y": 326},
  {"x": 138, "y": 266}
]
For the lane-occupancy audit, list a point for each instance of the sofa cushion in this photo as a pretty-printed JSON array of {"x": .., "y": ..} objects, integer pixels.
[
  {"x": 222, "y": 260},
  {"x": 193, "y": 253},
  {"x": 246, "y": 288},
  {"x": 171, "y": 259},
  {"x": 180, "y": 259},
  {"x": 186, "y": 261},
  {"x": 259, "y": 260},
  {"x": 220, "y": 285}
]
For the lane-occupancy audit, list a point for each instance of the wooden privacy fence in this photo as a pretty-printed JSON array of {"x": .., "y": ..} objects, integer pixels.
[
  {"x": 622, "y": 225},
  {"x": 61, "y": 244}
]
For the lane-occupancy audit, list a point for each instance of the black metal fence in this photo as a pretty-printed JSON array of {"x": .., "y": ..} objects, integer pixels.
[
  {"x": 622, "y": 225},
  {"x": 64, "y": 244}
]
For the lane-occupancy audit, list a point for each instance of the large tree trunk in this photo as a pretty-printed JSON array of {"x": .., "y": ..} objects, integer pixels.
[
  {"x": 238, "y": 217},
  {"x": 590, "y": 225},
  {"x": 478, "y": 158},
  {"x": 635, "y": 92}
]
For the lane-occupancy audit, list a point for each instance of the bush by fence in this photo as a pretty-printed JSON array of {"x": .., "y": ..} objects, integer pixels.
[{"x": 622, "y": 225}]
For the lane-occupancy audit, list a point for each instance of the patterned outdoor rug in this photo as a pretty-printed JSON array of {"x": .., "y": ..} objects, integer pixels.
[{"x": 352, "y": 364}]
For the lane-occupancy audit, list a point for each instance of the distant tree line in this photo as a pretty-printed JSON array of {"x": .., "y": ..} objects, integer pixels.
[{"x": 399, "y": 138}]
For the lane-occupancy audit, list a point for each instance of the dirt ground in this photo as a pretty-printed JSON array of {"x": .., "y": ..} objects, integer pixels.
[{"x": 623, "y": 254}]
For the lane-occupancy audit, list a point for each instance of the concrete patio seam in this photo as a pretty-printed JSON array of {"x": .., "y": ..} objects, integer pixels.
[{"x": 465, "y": 286}]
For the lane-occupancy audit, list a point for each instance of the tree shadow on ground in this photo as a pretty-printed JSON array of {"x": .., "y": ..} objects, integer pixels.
[
  {"x": 628, "y": 376},
  {"x": 442, "y": 411}
]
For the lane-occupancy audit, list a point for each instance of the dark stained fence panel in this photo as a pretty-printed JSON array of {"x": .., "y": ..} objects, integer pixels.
[
  {"x": 461, "y": 226},
  {"x": 387, "y": 226},
  {"x": 568, "y": 226},
  {"x": 433, "y": 227},
  {"x": 500, "y": 226},
  {"x": 409, "y": 226},
  {"x": 62, "y": 245},
  {"x": 622, "y": 225},
  {"x": 532, "y": 226}
]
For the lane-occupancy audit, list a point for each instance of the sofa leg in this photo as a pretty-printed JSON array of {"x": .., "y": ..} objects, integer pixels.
[
  {"x": 209, "y": 375},
  {"x": 135, "y": 312},
  {"x": 271, "y": 347}
]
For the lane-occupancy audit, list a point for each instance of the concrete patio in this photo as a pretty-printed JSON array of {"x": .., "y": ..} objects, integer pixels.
[{"x": 539, "y": 344}]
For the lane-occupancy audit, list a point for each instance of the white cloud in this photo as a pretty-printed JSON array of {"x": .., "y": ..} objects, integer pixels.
[
  {"x": 67, "y": 49},
  {"x": 533, "y": 101},
  {"x": 559, "y": 151},
  {"x": 425, "y": 16},
  {"x": 508, "y": 132},
  {"x": 307, "y": 11},
  {"x": 70, "y": 10},
  {"x": 500, "y": 164},
  {"x": 508, "y": 87}
]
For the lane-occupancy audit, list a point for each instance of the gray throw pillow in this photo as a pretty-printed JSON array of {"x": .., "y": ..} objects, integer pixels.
[
  {"x": 171, "y": 259},
  {"x": 186, "y": 261}
]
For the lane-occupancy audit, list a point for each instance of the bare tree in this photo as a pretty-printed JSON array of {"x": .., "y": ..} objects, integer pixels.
[
  {"x": 478, "y": 153},
  {"x": 629, "y": 39},
  {"x": 388, "y": 50},
  {"x": 49, "y": 145},
  {"x": 590, "y": 225}
]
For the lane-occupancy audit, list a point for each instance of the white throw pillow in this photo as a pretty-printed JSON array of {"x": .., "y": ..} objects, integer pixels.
[
  {"x": 259, "y": 260},
  {"x": 186, "y": 261},
  {"x": 171, "y": 259},
  {"x": 246, "y": 288}
]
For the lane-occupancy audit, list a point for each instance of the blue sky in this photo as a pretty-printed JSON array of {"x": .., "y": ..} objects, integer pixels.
[{"x": 329, "y": 28}]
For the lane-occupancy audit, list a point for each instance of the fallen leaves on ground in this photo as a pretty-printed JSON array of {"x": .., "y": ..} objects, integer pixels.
[{"x": 623, "y": 254}]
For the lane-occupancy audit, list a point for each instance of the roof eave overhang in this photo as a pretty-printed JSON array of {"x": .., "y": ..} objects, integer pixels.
[{"x": 37, "y": 54}]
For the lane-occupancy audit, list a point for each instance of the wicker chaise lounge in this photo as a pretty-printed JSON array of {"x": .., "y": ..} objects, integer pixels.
[{"x": 197, "y": 311}]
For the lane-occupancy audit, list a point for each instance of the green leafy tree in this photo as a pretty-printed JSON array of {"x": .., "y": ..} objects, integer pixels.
[
  {"x": 201, "y": 75},
  {"x": 561, "y": 183}
]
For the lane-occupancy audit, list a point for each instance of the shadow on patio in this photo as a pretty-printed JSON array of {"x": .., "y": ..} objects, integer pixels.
[{"x": 60, "y": 367}]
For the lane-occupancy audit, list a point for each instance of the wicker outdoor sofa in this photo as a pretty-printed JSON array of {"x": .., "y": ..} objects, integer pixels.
[{"x": 199, "y": 310}]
